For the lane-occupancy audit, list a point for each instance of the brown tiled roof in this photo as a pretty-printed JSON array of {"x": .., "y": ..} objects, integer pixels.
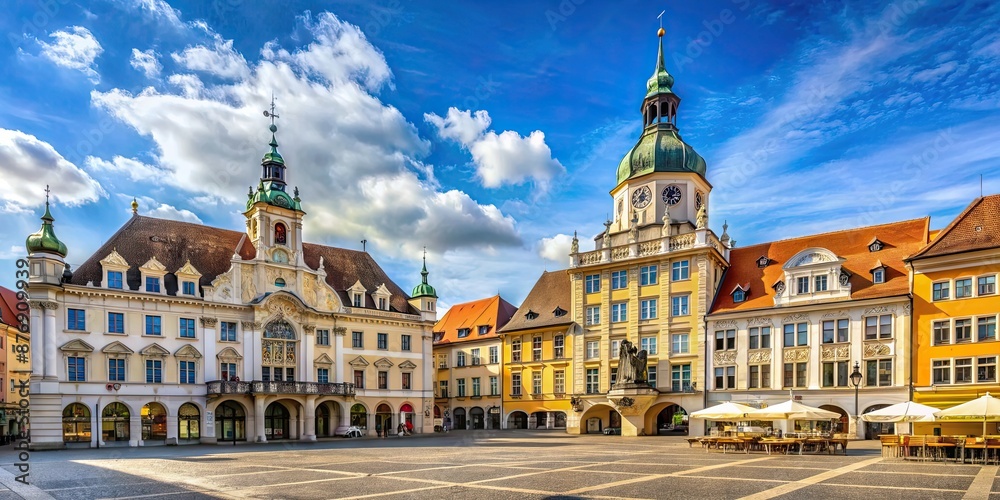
[
  {"x": 976, "y": 228},
  {"x": 8, "y": 307},
  {"x": 900, "y": 238},
  {"x": 210, "y": 249},
  {"x": 550, "y": 292},
  {"x": 493, "y": 312}
]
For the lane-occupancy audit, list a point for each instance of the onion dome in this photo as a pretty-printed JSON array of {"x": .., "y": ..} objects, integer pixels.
[
  {"x": 45, "y": 240},
  {"x": 660, "y": 149},
  {"x": 423, "y": 289},
  {"x": 661, "y": 82}
]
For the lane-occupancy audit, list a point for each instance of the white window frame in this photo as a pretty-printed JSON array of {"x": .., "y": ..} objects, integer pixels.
[
  {"x": 647, "y": 309},
  {"x": 593, "y": 315},
  {"x": 648, "y": 275}
]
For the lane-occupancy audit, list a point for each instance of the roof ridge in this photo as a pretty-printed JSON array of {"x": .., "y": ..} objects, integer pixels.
[
  {"x": 949, "y": 228},
  {"x": 859, "y": 228}
]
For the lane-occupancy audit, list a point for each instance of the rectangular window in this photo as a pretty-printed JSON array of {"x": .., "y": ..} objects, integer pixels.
[
  {"x": 986, "y": 369},
  {"x": 679, "y": 343},
  {"x": 679, "y": 271},
  {"x": 266, "y": 374},
  {"x": 878, "y": 373},
  {"x": 963, "y": 332},
  {"x": 359, "y": 379},
  {"x": 802, "y": 333},
  {"x": 941, "y": 370},
  {"x": 406, "y": 381},
  {"x": 322, "y": 337},
  {"x": 963, "y": 371},
  {"x": 153, "y": 325},
  {"x": 615, "y": 345},
  {"x": 116, "y": 370},
  {"x": 987, "y": 327},
  {"x": 476, "y": 359},
  {"x": 358, "y": 340},
  {"x": 651, "y": 376},
  {"x": 116, "y": 323},
  {"x": 444, "y": 388},
  {"x": 942, "y": 332},
  {"x": 383, "y": 380},
  {"x": 494, "y": 355},
  {"x": 227, "y": 331},
  {"x": 187, "y": 372},
  {"x": 463, "y": 332},
  {"x": 725, "y": 378},
  {"x": 323, "y": 375},
  {"x": 593, "y": 315},
  {"x": 558, "y": 347},
  {"x": 649, "y": 344},
  {"x": 679, "y": 305},
  {"x": 789, "y": 335},
  {"x": 835, "y": 374},
  {"x": 536, "y": 348},
  {"x": 515, "y": 350},
  {"x": 515, "y": 384},
  {"x": 760, "y": 377},
  {"x": 829, "y": 332},
  {"x": 963, "y": 288},
  {"x": 494, "y": 386},
  {"x": 383, "y": 304},
  {"x": 227, "y": 371},
  {"x": 788, "y": 375},
  {"x": 188, "y": 288},
  {"x": 680, "y": 377},
  {"x": 836, "y": 331},
  {"x": 383, "y": 341},
  {"x": 76, "y": 319},
  {"x": 187, "y": 328},
  {"x": 593, "y": 351},
  {"x": 559, "y": 382},
  {"x": 820, "y": 283},
  {"x": 619, "y": 280},
  {"x": 593, "y": 381},
  {"x": 404, "y": 342},
  {"x": 357, "y": 300},
  {"x": 461, "y": 387},
  {"x": 476, "y": 390},
  {"x": 760, "y": 337},
  {"x": 76, "y": 369},
  {"x": 619, "y": 312},
  {"x": 614, "y": 376},
  {"x": 152, "y": 284},
  {"x": 647, "y": 309},
  {"x": 460, "y": 359},
  {"x": 289, "y": 374},
  {"x": 800, "y": 374},
  {"x": 484, "y": 329},
  {"x": 987, "y": 285},
  {"x": 940, "y": 290},
  {"x": 802, "y": 284},
  {"x": 115, "y": 279},
  {"x": 843, "y": 330},
  {"x": 647, "y": 275},
  {"x": 593, "y": 283},
  {"x": 154, "y": 371},
  {"x": 536, "y": 382}
]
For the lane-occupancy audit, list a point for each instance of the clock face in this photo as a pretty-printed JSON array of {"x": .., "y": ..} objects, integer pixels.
[
  {"x": 641, "y": 197},
  {"x": 671, "y": 195}
]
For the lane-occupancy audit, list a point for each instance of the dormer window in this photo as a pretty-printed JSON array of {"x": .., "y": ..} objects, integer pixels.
[
  {"x": 358, "y": 300},
  {"x": 463, "y": 332},
  {"x": 484, "y": 329},
  {"x": 740, "y": 293},
  {"x": 188, "y": 288},
  {"x": 763, "y": 261},
  {"x": 115, "y": 279},
  {"x": 114, "y": 266},
  {"x": 802, "y": 285},
  {"x": 438, "y": 336},
  {"x": 531, "y": 315},
  {"x": 280, "y": 234},
  {"x": 152, "y": 284},
  {"x": 779, "y": 287},
  {"x": 152, "y": 276},
  {"x": 876, "y": 245},
  {"x": 383, "y": 304},
  {"x": 559, "y": 312},
  {"x": 878, "y": 276}
]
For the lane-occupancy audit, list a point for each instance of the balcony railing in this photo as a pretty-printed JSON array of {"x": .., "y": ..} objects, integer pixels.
[{"x": 261, "y": 387}]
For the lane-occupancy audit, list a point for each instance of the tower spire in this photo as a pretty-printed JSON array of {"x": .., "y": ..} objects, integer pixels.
[
  {"x": 424, "y": 289},
  {"x": 45, "y": 240}
]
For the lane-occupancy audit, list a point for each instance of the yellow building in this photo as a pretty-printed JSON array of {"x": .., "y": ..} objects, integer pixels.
[
  {"x": 467, "y": 364},
  {"x": 955, "y": 308},
  {"x": 14, "y": 366},
  {"x": 537, "y": 348}
]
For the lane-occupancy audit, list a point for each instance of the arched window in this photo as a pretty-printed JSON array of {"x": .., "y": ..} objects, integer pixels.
[
  {"x": 154, "y": 422},
  {"x": 359, "y": 415},
  {"x": 115, "y": 422},
  {"x": 383, "y": 416},
  {"x": 278, "y": 352},
  {"x": 280, "y": 234},
  {"x": 76, "y": 424},
  {"x": 276, "y": 419},
  {"x": 230, "y": 420},
  {"x": 188, "y": 422}
]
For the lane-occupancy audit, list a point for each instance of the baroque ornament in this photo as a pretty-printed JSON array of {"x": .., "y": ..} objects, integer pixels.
[{"x": 760, "y": 356}]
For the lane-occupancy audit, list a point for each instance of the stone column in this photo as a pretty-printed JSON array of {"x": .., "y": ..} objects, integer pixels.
[
  {"x": 37, "y": 332},
  {"x": 308, "y": 352},
  {"x": 172, "y": 429},
  {"x": 339, "y": 335},
  {"x": 49, "y": 344},
  {"x": 258, "y": 417},
  {"x": 135, "y": 428},
  {"x": 309, "y": 432},
  {"x": 210, "y": 341},
  {"x": 251, "y": 351}
]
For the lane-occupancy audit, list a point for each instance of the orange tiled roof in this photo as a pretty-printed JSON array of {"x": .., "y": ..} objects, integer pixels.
[
  {"x": 900, "y": 239},
  {"x": 8, "y": 305},
  {"x": 493, "y": 312},
  {"x": 976, "y": 228},
  {"x": 552, "y": 292}
]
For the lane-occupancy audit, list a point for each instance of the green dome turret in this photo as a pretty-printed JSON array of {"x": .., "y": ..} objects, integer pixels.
[
  {"x": 45, "y": 240},
  {"x": 272, "y": 187},
  {"x": 661, "y": 82},
  {"x": 423, "y": 289}
]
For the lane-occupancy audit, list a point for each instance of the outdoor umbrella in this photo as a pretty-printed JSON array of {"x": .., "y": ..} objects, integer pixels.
[
  {"x": 986, "y": 408},
  {"x": 725, "y": 411},
  {"x": 791, "y": 410},
  {"x": 902, "y": 412}
]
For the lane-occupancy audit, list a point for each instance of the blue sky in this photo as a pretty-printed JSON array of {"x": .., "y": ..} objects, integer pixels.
[{"x": 489, "y": 132}]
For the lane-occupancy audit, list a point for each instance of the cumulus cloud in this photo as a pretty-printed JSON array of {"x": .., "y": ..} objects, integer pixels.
[
  {"x": 156, "y": 10},
  {"x": 74, "y": 48},
  {"x": 152, "y": 208},
  {"x": 30, "y": 164},
  {"x": 556, "y": 248},
  {"x": 357, "y": 160},
  {"x": 147, "y": 61},
  {"x": 501, "y": 159},
  {"x": 219, "y": 59}
]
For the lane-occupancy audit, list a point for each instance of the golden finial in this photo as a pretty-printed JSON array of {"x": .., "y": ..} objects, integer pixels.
[
  {"x": 661, "y": 31},
  {"x": 135, "y": 206}
]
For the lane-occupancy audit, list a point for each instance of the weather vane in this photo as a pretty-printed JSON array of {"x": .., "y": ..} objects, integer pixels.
[
  {"x": 660, "y": 17},
  {"x": 270, "y": 114},
  {"x": 46, "y": 194}
]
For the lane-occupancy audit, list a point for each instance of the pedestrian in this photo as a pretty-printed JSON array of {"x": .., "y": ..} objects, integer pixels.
[
  {"x": 378, "y": 429},
  {"x": 409, "y": 428}
]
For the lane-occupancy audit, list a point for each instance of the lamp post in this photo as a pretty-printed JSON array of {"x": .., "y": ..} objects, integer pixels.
[{"x": 856, "y": 382}]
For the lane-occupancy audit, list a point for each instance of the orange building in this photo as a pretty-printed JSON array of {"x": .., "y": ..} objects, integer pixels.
[
  {"x": 11, "y": 369},
  {"x": 956, "y": 308},
  {"x": 468, "y": 364}
]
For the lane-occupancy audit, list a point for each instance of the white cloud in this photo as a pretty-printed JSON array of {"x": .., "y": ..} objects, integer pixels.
[
  {"x": 157, "y": 10},
  {"x": 132, "y": 168},
  {"x": 152, "y": 208},
  {"x": 556, "y": 248},
  {"x": 74, "y": 48},
  {"x": 500, "y": 159},
  {"x": 147, "y": 61},
  {"x": 356, "y": 159},
  {"x": 219, "y": 59},
  {"x": 30, "y": 164}
]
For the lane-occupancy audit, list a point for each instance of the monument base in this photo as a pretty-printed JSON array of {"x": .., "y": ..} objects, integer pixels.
[{"x": 632, "y": 400}]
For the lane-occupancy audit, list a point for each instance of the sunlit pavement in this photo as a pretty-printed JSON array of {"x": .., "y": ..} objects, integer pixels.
[{"x": 485, "y": 465}]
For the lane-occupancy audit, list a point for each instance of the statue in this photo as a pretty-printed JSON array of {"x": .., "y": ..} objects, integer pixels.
[
  {"x": 665, "y": 231},
  {"x": 631, "y": 365},
  {"x": 607, "y": 234},
  {"x": 633, "y": 231},
  {"x": 575, "y": 246},
  {"x": 701, "y": 220}
]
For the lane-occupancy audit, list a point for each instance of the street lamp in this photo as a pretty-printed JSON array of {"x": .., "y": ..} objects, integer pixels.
[{"x": 856, "y": 382}]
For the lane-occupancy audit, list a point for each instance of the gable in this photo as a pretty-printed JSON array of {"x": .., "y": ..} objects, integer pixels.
[
  {"x": 153, "y": 265},
  {"x": 114, "y": 259},
  {"x": 323, "y": 359},
  {"x": 188, "y": 270},
  {"x": 116, "y": 348},
  {"x": 187, "y": 351},
  {"x": 154, "y": 350},
  {"x": 229, "y": 354},
  {"x": 383, "y": 363},
  {"x": 76, "y": 345},
  {"x": 359, "y": 361},
  {"x": 407, "y": 365}
]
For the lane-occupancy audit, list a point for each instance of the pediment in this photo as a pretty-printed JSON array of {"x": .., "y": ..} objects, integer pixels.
[
  {"x": 357, "y": 287},
  {"x": 117, "y": 348},
  {"x": 811, "y": 256},
  {"x": 154, "y": 350},
  {"x": 229, "y": 354},
  {"x": 359, "y": 361},
  {"x": 188, "y": 351},
  {"x": 384, "y": 363},
  {"x": 323, "y": 359},
  {"x": 407, "y": 365},
  {"x": 153, "y": 265},
  {"x": 114, "y": 259},
  {"x": 188, "y": 270},
  {"x": 77, "y": 345},
  {"x": 382, "y": 291}
]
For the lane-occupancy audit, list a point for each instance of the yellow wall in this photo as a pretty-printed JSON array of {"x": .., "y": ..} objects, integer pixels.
[{"x": 548, "y": 400}]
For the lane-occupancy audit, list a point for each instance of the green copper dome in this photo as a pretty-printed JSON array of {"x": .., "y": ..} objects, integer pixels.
[
  {"x": 660, "y": 149},
  {"x": 45, "y": 239},
  {"x": 273, "y": 156},
  {"x": 423, "y": 289},
  {"x": 661, "y": 82}
]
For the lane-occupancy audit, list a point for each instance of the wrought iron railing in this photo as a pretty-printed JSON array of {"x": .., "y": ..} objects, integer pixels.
[{"x": 284, "y": 387}]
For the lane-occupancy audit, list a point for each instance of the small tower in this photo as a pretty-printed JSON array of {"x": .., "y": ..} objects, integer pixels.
[
  {"x": 45, "y": 251},
  {"x": 424, "y": 297}
]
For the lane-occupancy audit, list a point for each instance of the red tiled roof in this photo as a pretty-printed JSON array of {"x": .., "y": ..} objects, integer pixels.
[
  {"x": 552, "y": 291},
  {"x": 8, "y": 307},
  {"x": 493, "y": 312},
  {"x": 900, "y": 238},
  {"x": 976, "y": 228}
]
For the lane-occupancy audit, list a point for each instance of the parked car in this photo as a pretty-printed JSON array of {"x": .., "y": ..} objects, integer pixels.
[
  {"x": 353, "y": 432},
  {"x": 612, "y": 431}
]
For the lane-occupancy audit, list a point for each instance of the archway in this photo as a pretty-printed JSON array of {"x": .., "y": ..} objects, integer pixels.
[
  {"x": 188, "y": 422},
  {"x": 437, "y": 411},
  {"x": 560, "y": 420},
  {"x": 383, "y": 418},
  {"x": 406, "y": 415},
  {"x": 875, "y": 429},
  {"x": 359, "y": 416},
  {"x": 478, "y": 418},
  {"x": 840, "y": 425},
  {"x": 276, "y": 421},
  {"x": 459, "y": 415},
  {"x": 672, "y": 420},
  {"x": 540, "y": 419},
  {"x": 231, "y": 421},
  {"x": 115, "y": 422},
  {"x": 154, "y": 422},
  {"x": 76, "y": 424},
  {"x": 493, "y": 417},
  {"x": 322, "y": 421},
  {"x": 598, "y": 418},
  {"x": 517, "y": 420}
]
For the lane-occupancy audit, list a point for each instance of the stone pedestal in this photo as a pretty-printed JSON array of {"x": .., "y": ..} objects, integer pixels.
[{"x": 632, "y": 401}]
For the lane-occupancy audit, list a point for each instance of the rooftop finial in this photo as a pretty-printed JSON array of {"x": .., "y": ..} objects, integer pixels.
[
  {"x": 270, "y": 114},
  {"x": 661, "y": 32},
  {"x": 47, "y": 195},
  {"x": 135, "y": 206}
]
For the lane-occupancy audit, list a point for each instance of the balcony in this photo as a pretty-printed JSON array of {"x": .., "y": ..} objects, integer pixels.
[{"x": 220, "y": 387}]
